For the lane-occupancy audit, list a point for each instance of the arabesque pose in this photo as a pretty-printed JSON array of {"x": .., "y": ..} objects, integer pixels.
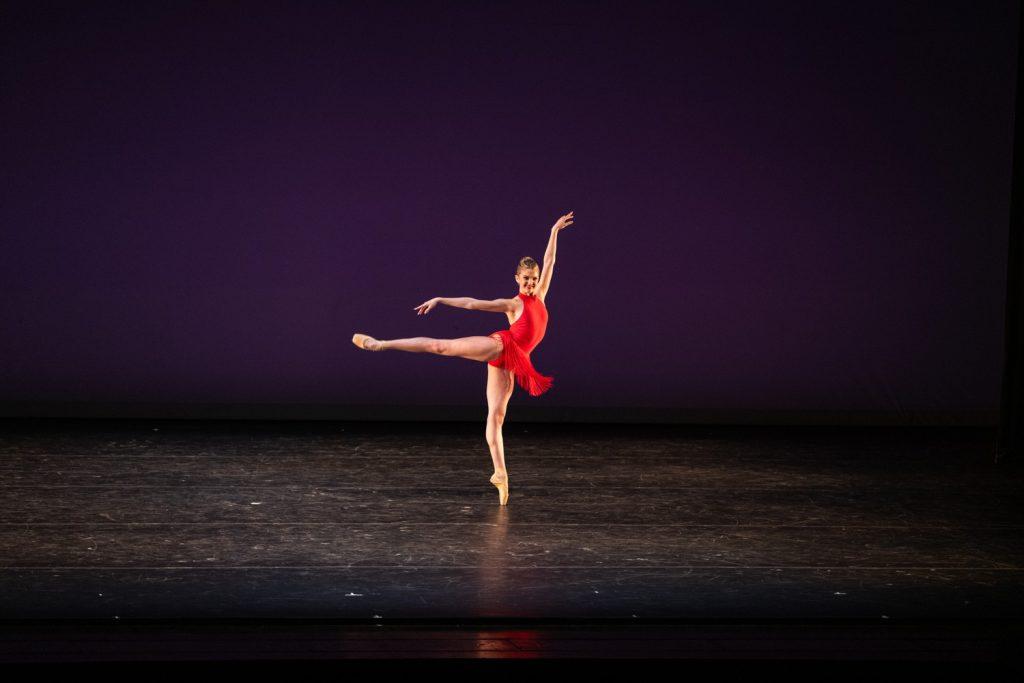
[{"x": 506, "y": 352}]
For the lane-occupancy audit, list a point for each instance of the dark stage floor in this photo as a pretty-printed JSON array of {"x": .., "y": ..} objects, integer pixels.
[{"x": 614, "y": 528}]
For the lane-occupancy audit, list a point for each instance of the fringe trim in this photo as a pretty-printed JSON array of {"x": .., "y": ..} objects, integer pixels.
[{"x": 519, "y": 363}]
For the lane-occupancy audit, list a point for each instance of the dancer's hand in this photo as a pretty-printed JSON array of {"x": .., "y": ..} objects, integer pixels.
[
  {"x": 425, "y": 307},
  {"x": 563, "y": 222}
]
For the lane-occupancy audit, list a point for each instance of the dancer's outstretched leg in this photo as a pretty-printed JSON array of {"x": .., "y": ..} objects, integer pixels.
[
  {"x": 500, "y": 384},
  {"x": 483, "y": 349}
]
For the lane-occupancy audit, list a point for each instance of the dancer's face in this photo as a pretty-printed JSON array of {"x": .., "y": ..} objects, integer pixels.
[{"x": 527, "y": 280}]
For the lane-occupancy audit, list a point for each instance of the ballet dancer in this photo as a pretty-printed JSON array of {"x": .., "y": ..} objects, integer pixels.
[{"x": 506, "y": 352}]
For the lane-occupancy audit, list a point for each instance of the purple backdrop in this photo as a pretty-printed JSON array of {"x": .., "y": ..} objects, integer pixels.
[{"x": 778, "y": 205}]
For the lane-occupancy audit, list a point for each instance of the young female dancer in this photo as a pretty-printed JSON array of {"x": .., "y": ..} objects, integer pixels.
[{"x": 506, "y": 352}]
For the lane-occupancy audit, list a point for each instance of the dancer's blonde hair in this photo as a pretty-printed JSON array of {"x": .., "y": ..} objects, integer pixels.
[{"x": 526, "y": 263}]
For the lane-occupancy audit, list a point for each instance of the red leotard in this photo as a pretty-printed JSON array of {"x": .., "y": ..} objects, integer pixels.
[{"x": 519, "y": 340}]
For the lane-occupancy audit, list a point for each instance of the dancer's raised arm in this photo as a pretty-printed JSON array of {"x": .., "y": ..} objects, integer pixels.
[
  {"x": 497, "y": 305},
  {"x": 547, "y": 269}
]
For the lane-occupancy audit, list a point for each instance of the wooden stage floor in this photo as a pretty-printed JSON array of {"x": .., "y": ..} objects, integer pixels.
[{"x": 722, "y": 543}]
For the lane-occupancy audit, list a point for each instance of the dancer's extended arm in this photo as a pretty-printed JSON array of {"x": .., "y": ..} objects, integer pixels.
[
  {"x": 496, "y": 305},
  {"x": 549, "y": 255}
]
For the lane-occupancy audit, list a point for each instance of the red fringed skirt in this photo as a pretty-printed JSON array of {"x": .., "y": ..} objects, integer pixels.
[{"x": 515, "y": 359}]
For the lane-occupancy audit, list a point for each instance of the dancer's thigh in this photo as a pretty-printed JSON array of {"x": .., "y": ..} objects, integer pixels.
[
  {"x": 500, "y": 384},
  {"x": 483, "y": 349}
]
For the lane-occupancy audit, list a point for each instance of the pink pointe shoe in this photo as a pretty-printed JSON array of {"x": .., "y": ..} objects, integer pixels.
[
  {"x": 501, "y": 481},
  {"x": 361, "y": 340}
]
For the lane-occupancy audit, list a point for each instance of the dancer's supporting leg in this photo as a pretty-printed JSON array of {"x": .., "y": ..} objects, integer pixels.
[{"x": 500, "y": 384}]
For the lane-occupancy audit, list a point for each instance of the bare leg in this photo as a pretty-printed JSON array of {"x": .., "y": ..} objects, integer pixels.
[
  {"x": 500, "y": 384},
  {"x": 484, "y": 349}
]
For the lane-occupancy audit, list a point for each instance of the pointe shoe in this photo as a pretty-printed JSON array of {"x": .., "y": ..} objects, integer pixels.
[
  {"x": 361, "y": 339},
  {"x": 502, "y": 484}
]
